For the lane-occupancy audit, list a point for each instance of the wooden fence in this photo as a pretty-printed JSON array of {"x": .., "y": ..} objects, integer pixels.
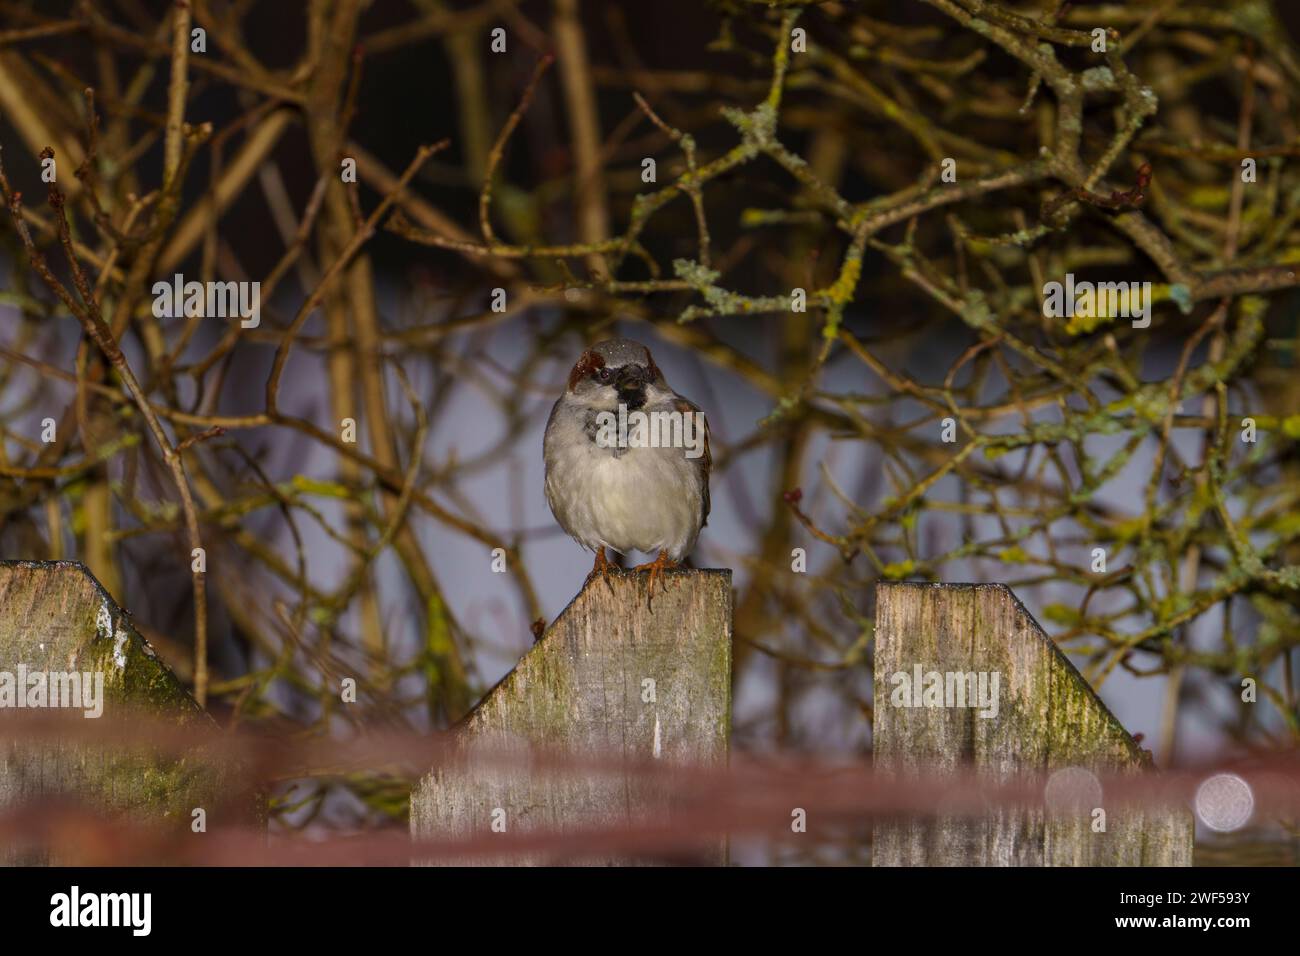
[{"x": 964, "y": 677}]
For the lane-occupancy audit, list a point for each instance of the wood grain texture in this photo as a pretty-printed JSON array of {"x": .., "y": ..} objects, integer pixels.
[
  {"x": 581, "y": 690},
  {"x": 1048, "y": 719},
  {"x": 57, "y": 618}
]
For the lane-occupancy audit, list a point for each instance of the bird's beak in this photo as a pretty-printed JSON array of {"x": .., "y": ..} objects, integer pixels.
[{"x": 631, "y": 378}]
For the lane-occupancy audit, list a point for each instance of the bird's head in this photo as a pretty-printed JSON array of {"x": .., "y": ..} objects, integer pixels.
[{"x": 616, "y": 372}]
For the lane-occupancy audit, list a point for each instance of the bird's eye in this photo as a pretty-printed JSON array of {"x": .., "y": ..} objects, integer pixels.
[{"x": 605, "y": 375}]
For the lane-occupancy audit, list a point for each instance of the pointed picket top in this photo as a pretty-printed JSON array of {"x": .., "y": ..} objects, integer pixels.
[
  {"x": 612, "y": 679},
  {"x": 1040, "y": 716},
  {"x": 58, "y": 617}
]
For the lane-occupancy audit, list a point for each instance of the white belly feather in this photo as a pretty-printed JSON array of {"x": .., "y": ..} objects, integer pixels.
[{"x": 645, "y": 499}]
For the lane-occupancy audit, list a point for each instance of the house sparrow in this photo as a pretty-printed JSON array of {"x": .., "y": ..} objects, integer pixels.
[{"x": 627, "y": 460}]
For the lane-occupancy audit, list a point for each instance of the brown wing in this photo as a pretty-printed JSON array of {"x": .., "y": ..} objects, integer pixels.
[{"x": 705, "y": 462}]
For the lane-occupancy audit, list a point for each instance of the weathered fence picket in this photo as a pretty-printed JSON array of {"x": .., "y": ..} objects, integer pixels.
[
  {"x": 57, "y": 622},
  {"x": 611, "y": 678},
  {"x": 1048, "y": 719}
]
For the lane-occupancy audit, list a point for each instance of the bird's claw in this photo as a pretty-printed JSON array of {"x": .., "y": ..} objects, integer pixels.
[
  {"x": 602, "y": 569},
  {"x": 656, "y": 568}
]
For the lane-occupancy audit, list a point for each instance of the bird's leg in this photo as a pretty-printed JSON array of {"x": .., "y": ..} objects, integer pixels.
[
  {"x": 656, "y": 568},
  {"x": 602, "y": 569}
]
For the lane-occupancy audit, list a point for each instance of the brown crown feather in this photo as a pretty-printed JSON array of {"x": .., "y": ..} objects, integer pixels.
[{"x": 587, "y": 363}]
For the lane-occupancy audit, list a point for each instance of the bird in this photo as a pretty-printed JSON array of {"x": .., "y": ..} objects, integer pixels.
[{"x": 627, "y": 460}]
